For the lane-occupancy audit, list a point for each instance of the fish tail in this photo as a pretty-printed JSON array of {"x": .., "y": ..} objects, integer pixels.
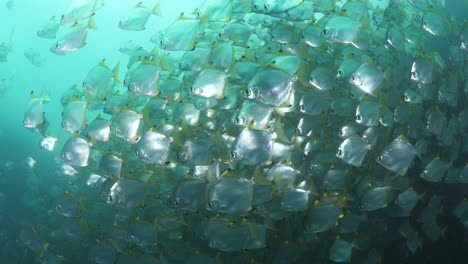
[{"x": 157, "y": 9}]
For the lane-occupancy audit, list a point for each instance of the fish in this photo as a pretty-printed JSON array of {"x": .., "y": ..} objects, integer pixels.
[
  {"x": 340, "y": 251},
  {"x": 125, "y": 125},
  {"x": 100, "y": 80},
  {"x": 74, "y": 38},
  {"x": 49, "y": 29},
  {"x": 252, "y": 147},
  {"x": 353, "y": 150},
  {"x": 34, "y": 117},
  {"x": 35, "y": 57},
  {"x": 6, "y": 48},
  {"x": 153, "y": 148},
  {"x": 137, "y": 17},
  {"x": 79, "y": 10},
  {"x": 74, "y": 115},
  {"x": 397, "y": 156},
  {"x": 180, "y": 35},
  {"x": 75, "y": 152},
  {"x": 237, "y": 200}
]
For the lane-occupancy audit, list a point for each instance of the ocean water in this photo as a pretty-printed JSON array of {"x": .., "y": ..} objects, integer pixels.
[{"x": 29, "y": 193}]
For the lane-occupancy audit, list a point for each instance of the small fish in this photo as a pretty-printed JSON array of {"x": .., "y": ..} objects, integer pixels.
[
  {"x": 75, "y": 152},
  {"x": 74, "y": 116},
  {"x": 397, "y": 156},
  {"x": 189, "y": 194},
  {"x": 34, "y": 117},
  {"x": 6, "y": 48},
  {"x": 81, "y": 9},
  {"x": 230, "y": 195},
  {"x": 35, "y": 57},
  {"x": 135, "y": 19},
  {"x": 100, "y": 80},
  {"x": 153, "y": 148},
  {"x": 210, "y": 83},
  {"x": 125, "y": 125},
  {"x": 48, "y": 143},
  {"x": 49, "y": 29},
  {"x": 353, "y": 150},
  {"x": 340, "y": 251},
  {"x": 252, "y": 147},
  {"x": 216, "y": 10},
  {"x": 180, "y": 35},
  {"x": 74, "y": 38}
]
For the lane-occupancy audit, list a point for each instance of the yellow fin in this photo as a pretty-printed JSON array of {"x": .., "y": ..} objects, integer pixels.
[
  {"x": 115, "y": 72},
  {"x": 157, "y": 9},
  {"x": 146, "y": 118},
  {"x": 89, "y": 98},
  {"x": 45, "y": 95},
  {"x": 91, "y": 23},
  {"x": 103, "y": 63}
]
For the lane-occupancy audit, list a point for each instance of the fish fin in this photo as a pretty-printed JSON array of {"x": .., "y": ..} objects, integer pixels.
[
  {"x": 115, "y": 72},
  {"x": 89, "y": 98},
  {"x": 45, "y": 95},
  {"x": 91, "y": 22},
  {"x": 279, "y": 131},
  {"x": 204, "y": 18},
  {"x": 103, "y": 63},
  {"x": 146, "y": 118},
  {"x": 155, "y": 53},
  {"x": 31, "y": 95},
  {"x": 157, "y": 9}
]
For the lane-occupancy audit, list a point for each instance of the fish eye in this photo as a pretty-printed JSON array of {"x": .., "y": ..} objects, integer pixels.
[
  {"x": 265, "y": 7},
  {"x": 210, "y": 204},
  {"x": 325, "y": 31},
  {"x": 301, "y": 107},
  {"x": 255, "y": 6},
  {"x": 380, "y": 158},
  {"x": 406, "y": 98},
  {"x": 339, "y": 152},
  {"x": 332, "y": 110},
  {"x": 340, "y": 73},
  {"x": 237, "y": 120},
  {"x": 358, "y": 117},
  {"x": 232, "y": 154},
  {"x": 247, "y": 92}
]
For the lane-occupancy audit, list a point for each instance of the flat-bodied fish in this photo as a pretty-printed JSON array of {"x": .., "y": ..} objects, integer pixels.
[
  {"x": 136, "y": 18},
  {"x": 74, "y": 38}
]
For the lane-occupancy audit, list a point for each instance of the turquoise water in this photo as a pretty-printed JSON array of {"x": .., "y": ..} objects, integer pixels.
[{"x": 34, "y": 231}]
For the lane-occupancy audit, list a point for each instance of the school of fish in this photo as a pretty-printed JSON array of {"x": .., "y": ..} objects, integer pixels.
[{"x": 257, "y": 131}]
